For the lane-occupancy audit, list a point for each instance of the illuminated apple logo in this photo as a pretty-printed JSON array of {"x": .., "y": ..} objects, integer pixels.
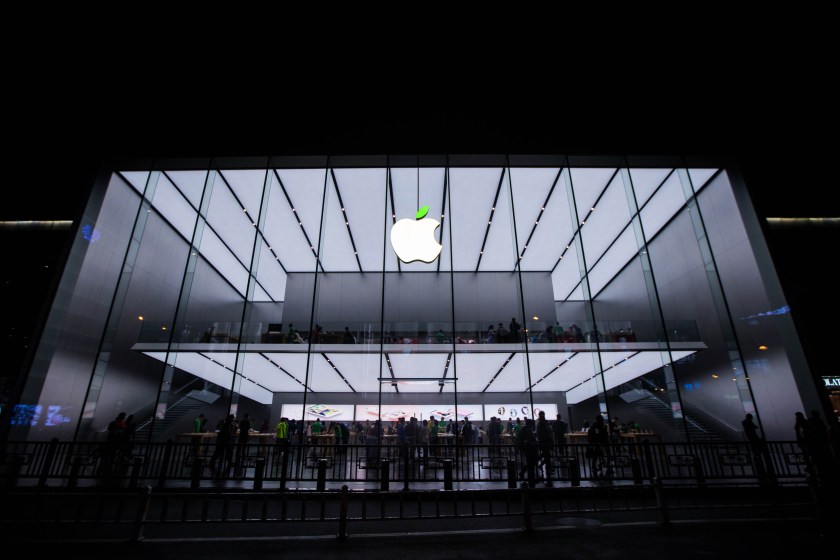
[{"x": 414, "y": 240}]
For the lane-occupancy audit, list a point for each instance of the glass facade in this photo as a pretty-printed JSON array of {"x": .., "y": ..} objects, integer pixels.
[{"x": 359, "y": 289}]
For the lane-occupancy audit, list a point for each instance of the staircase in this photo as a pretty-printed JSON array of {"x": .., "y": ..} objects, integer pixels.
[
  {"x": 697, "y": 431},
  {"x": 174, "y": 414}
]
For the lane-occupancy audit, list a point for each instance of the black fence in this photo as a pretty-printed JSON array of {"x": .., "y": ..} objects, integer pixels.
[{"x": 383, "y": 466}]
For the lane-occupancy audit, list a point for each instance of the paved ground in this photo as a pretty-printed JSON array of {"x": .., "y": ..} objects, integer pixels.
[{"x": 578, "y": 538}]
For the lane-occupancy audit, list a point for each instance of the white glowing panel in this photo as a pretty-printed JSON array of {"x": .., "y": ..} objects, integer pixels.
[
  {"x": 552, "y": 233},
  {"x": 216, "y": 373},
  {"x": 294, "y": 364},
  {"x": 190, "y": 183},
  {"x": 326, "y": 378},
  {"x": 361, "y": 370},
  {"x": 588, "y": 184},
  {"x": 337, "y": 253},
  {"x": 699, "y": 177},
  {"x": 662, "y": 206},
  {"x": 284, "y": 235},
  {"x": 305, "y": 188},
  {"x": 227, "y": 359},
  {"x": 472, "y": 192},
  {"x": 474, "y": 371},
  {"x": 363, "y": 193},
  {"x": 646, "y": 181},
  {"x": 500, "y": 252},
  {"x": 231, "y": 224},
  {"x": 223, "y": 260},
  {"x": 636, "y": 366},
  {"x": 270, "y": 275},
  {"x": 137, "y": 179},
  {"x": 571, "y": 372},
  {"x": 513, "y": 378},
  {"x": 622, "y": 251},
  {"x": 566, "y": 275},
  {"x": 247, "y": 185},
  {"x": 605, "y": 222},
  {"x": 172, "y": 205},
  {"x": 417, "y": 365},
  {"x": 530, "y": 188},
  {"x": 267, "y": 373}
]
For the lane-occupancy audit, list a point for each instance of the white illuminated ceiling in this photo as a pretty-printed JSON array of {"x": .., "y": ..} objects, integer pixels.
[
  {"x": 269, "y": 368},
  {"x": 490, "y": 218},
  {"x": 279, "y": 221}
]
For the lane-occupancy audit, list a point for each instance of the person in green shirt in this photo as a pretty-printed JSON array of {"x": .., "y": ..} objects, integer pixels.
[
  {"x": 316, "y": 427},
  {"x": 281, "y": 433},
  {"x": 198, "y": 424}
]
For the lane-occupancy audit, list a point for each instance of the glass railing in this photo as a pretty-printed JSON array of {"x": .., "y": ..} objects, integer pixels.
[{"x": 462, "y": 332}]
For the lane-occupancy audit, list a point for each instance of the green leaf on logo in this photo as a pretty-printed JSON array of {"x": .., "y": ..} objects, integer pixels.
[{"x": 422, "y": 212}]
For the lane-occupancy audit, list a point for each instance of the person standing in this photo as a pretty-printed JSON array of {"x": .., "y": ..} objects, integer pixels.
[
  {"x": 545, "y": 438},
  {"x": 751, "y": 433},
  {"x": 598, "y": 438},
  {"x": 514, "y": 329},
  {"x": 223, "y": 453},
  {"x": 242, "y": 439},
  {"x": 560, "y": 429}
]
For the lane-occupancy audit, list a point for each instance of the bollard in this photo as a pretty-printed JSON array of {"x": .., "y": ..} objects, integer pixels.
[
  {"x": 383, "y": 474},
  {"x": 75, "y": 467},
  {"x": 636, "y": 467},
  {"x": 406, "y": 469},
  {"x": 259, "y": 472},
  {"x": 660, "y": 502},
  {"x": 648, "y": 459},
  {"x": 698, "y": 471},
  {"x": 195, "y": 478},
  {"x": 14, "y": 470},
  {"x": 574, "y": 471},
  {"x": 342, "y": 514},
  {"x": 164, "y": 466},
  {"x": 284, "y": 466},
  {"x": 526, "y": 507},
  {"x": 136, "y": 465},
  {"x": 447, "y": 474},
  {"x": 142, "y": 513},
  {"x": 511, "y": 473},
  {"x": 322, "y": 475},
  {"x": 48, "y": 461}
]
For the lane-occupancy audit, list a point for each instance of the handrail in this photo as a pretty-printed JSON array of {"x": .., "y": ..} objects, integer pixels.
[
  {"x": 697, "y": 406},
  {"x": 148, "y": 421}
]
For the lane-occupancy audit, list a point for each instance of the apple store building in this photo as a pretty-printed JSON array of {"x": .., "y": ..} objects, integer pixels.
[{"x": 356, "y": 289}]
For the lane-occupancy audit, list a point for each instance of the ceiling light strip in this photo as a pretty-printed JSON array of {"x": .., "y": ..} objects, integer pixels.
[
  {"x": 281, "y": 368},
  {"x": 393, "y": 210},
  {"x": 504, "y": 365},
  {"x": 539, "y": 216},
  {"x": 612, "y": 366},
  {"x": 193, "y": 247},
  {"x": 555, "y": 368},
  {"x": 391, "y": 369},
  {"x": 443, "y": 210},
  {"x": 583, "y": 221},
  {"x": 445, "y": 371},
  {"x": 298, "y": 220},
  {"x": 206, "y": 357},
  {"x": 627, "y": 225},
  {"x": 346, "y": 219},
  {"x": 490, "y": 219},
  {"x": 335, "y": 368}
]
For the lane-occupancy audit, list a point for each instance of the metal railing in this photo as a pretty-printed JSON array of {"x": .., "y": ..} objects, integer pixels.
[{"x": 72, "y": 464}]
